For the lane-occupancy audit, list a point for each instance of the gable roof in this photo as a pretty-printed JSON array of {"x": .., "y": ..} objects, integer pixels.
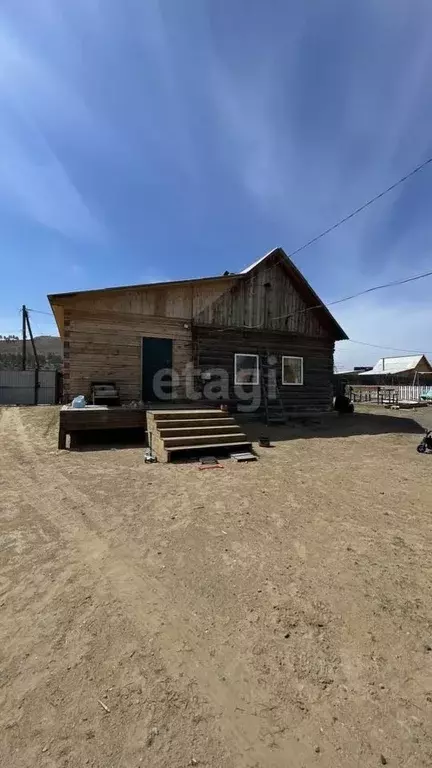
[
  {"x": 311, "y": 299},
  {"x": 52, "y": 297},
  {"x": 273, "y": 257},
  {"x": 259, "y": 261},
  {"x": 388, "y": 365}
]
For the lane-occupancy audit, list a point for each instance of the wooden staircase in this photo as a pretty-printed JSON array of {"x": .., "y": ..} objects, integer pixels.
[
  {"x": 274, "y": 410},
  {"x": 200, "y": 431}
]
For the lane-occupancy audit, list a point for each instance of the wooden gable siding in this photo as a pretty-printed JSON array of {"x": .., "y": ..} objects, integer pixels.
[
  {"x": 423, "y": 366},
  {"x": 171, "y": 301},
  {"x": 263, "y": 300},
  {"x": 105, "y": 345}
]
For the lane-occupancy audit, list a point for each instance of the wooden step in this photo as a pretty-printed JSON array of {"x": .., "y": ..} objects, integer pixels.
[
  {"x": 193, "y": 429},
  {"x": 194, "y": 440},
  {"x": 212, "y": 422},
  {"x": 197, "y": 413},
  {"x": 203, "y": 429}
]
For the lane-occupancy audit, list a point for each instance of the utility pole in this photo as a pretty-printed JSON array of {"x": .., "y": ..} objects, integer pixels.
[
  {"x": 24, "y": 338},
  {"x": 32, "y": 339},
  {"x": 27, "y": 326}
]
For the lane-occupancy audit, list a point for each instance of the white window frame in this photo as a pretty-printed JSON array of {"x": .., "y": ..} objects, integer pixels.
[
  {"x": 292, "y": 383},
  {"x": 248, "y": 383}
]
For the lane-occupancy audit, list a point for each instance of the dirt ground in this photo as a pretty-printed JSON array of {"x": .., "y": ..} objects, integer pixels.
[{"x": 266, "y": 615}]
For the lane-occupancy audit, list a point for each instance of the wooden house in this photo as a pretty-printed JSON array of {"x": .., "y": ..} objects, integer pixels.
[
  {"x": 264, "y": 324},
  {"x": 402, "y": 370}
]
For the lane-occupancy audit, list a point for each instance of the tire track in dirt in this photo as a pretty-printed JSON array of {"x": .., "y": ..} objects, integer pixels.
[{"x": 150, "y": 605}]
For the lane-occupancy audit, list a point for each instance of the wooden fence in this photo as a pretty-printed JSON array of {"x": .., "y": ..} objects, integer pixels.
[
  {"x": 385, "y": 395},
  {"x": 413, "y": 393},
  {"x": 373, "y": 394}
]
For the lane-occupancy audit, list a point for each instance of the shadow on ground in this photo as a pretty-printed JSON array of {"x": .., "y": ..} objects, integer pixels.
[
  {"x": 333, "y": 425},
  {"x": 330, "y": 425},
  {"x": 109, "y": 439}
]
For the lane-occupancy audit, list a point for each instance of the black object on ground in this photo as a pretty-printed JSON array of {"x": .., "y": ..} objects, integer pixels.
[
  {"x": 208, "y": 460},
  {"x": 264, "y": 441},
  {"x": 343, "y": 404}
]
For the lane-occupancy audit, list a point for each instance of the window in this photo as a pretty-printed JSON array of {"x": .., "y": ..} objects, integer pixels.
[
  {"x": 246, "y": 369},
  {"x": 292, "y": 370}
]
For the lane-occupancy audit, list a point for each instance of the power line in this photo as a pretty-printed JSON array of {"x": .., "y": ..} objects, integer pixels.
[
  {"x": 331, "y": 229},
  {"x": 362, "y": 207},
  {"x": 393, "y": 349},
  {"x": 40, "y": 312},
  {"x": 380, "y": 287},
  {"x": 403, "y": 281},
  {"x": 370, "y": 290},
  {"x": 356, "y": 211},
  {"x": 326, "y": 232},
  {"x": 49, "y": 324}
]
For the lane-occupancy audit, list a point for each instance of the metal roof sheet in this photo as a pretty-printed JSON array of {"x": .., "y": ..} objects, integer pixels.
[
  {"x": 387, "y": 365},
  {"x": 255, "y": 263}
]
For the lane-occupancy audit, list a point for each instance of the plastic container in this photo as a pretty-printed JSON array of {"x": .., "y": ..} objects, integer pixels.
[{"x": 79, "y": 402}]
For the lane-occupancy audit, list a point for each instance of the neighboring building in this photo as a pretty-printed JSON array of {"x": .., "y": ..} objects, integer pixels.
[
  {"x": 342, "y": 378},
  {"x": 237, "y": 323},
  {"x": 388, "y": 371},
  {"x": 407, "y": 369}
]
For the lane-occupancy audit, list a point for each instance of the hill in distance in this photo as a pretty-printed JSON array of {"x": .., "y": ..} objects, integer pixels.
[{"x": 49, "y": 349}]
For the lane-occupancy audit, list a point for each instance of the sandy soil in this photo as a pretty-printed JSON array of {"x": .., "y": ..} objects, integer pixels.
[{"x": 260, "y": 615}]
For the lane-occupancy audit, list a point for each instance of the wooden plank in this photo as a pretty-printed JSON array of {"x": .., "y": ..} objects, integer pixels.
[
  {"x": 107, "y": 345},
  {"x": 176, "y": 301},
  {"x": 73, "y": 421},
  {"x": 62, "y": 438},
  {"x": 268, "y": 299}
]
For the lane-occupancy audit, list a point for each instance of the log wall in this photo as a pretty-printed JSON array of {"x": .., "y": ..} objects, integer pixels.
[
  {"x": 216, "y": 348},
  {"x": 208, "y": 321},
  {"x": 107, "y": 346}
]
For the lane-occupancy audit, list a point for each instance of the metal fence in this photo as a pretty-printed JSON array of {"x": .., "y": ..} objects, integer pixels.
[{"x": 29, "y": 387}]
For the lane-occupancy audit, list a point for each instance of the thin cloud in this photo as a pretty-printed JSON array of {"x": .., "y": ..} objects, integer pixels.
[
  {"x": 34, "y": 181},
  {"x": 328, "y": 119},
  {"x": 236, "y": 128}
]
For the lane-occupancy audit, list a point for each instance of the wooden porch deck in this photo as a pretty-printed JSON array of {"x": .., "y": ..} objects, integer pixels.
[
  {"x": 102, "y": 417},
  {"x": 98, "y": 417}
]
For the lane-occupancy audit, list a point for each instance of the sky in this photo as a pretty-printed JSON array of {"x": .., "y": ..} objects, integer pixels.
[{"x": 166, "y": 139}]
